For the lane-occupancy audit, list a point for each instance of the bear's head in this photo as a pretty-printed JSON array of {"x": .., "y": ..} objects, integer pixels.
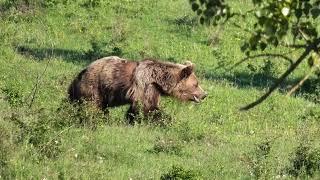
[{"x": 187, "y": 87}]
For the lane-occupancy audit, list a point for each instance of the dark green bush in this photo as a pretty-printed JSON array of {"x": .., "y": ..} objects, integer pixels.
[
  {"x": 12, "y": 96},
  {"x": 91, "y": 3},
  {"x": 177, "y": 172},
  {"x": 258, "y": 160},
  {"x": 305, "y": 162},
  {"x": 79, "y": 115}
]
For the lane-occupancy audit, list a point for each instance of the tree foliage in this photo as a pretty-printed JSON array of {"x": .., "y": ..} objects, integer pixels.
[{"x": 275, "y": 20}]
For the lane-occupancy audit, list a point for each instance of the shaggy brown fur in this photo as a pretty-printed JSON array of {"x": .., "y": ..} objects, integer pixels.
[{"x": 113, "y": 81}]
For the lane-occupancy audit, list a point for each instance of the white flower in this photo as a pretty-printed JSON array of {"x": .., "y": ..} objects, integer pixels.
[{"x": 285, "y": 11}]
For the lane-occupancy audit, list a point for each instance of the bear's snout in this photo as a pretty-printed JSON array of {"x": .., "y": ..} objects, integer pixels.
[
  {"x": 199, "y": 97},
  {"x": 205, "y": 94}
]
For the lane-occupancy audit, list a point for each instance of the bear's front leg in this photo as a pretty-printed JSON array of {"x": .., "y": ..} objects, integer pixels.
[
  {"x": 132, "y": 112},
  {"x": 151, "y": 99},
  {"x": 150, "y": 103}
]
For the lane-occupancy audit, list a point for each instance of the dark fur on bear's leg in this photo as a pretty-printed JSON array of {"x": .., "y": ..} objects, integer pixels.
[
  {"x": 105, "y": 112},
  {"x": 131, "y": 114}
]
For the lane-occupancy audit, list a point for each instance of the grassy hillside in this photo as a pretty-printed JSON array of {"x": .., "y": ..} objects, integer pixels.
[{"x": 44, "y": 45}]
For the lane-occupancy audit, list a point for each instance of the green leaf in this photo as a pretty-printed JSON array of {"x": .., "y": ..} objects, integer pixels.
[
  {"x": 307, "y": 7},
  {"x": 270, "y": 28},
  {"x": 310, "y": 31},
  {"x": 199, "y": 11},
  {"x": 202, "y": 20},
  {"x": 202, "y": 2},
  {"x": 315, "y": 12},
  {"x": 257, "y": 1},
  {"x": 285, "y": 11},
  {"x": 263, "y": 46},
  {"x": 194, "y": 6},
  {"x": 298, "y": 13},
  {"x": 316, "y": 58},
  {"x": 244, "y": 47},
  {"x": 258, "y": 13}
]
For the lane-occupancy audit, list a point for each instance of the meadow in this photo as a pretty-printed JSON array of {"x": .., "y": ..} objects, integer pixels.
[{"x": 44, "y": 44}]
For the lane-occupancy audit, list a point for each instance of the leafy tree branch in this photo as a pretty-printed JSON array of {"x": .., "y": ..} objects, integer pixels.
[{"x": 275, "y": 20}]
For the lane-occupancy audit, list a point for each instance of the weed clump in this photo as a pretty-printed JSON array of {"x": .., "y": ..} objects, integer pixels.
[
  {"x": 160, "y": 118},
  {"x": 167, "y": 145},
  {"x": 177, "y": 172},
  {"x": 3, "y": 152},
  {"x": 188, "y": 134},
  {"x": 311, "y": 89},
  {"x": 29, "y": 5},
  {"x": 7, "y": 145},
  {"x": 258, "y": 160},
  {"x": 79, "y": 115},
  {"x": 39, "y": 133},
  {"x": 43, "y": 129},
  {"x": 305, "y": 162},
  {"x": 91, "y": 3},
  {"x": 311, "y": 114},
  {"x": 13, "y": 97}
]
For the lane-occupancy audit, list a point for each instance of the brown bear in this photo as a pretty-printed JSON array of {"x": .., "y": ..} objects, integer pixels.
[{"x": 113, "y": 81}]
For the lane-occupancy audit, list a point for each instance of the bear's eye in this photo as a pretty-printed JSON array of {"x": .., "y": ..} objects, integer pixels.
[{"x": 195, "y": 85}]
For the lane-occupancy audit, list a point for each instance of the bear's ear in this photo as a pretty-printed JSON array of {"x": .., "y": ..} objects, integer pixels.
[
  {"x": 186, "y": 72},
  {"x": 188, "y": 63}
]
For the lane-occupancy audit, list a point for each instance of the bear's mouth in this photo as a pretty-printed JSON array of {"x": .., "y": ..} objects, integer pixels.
[{"x": 196, "y": 99}]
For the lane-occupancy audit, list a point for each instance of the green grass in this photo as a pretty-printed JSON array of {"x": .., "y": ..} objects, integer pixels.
[{"x": 42, "y": 136}]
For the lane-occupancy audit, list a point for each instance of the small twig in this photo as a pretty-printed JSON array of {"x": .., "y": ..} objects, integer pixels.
[
  {"x": 295, "y": 46},
  {"x": 35, "y": 88},
  {"x": 241, "y": 14},
  {"x": 240, "y": 27},
  {"x": 305, "y": 37},
  {"x": 300, "y": 83},
  {"x": 261, "y": 55},
  {"x": 295, "y": 37}
]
